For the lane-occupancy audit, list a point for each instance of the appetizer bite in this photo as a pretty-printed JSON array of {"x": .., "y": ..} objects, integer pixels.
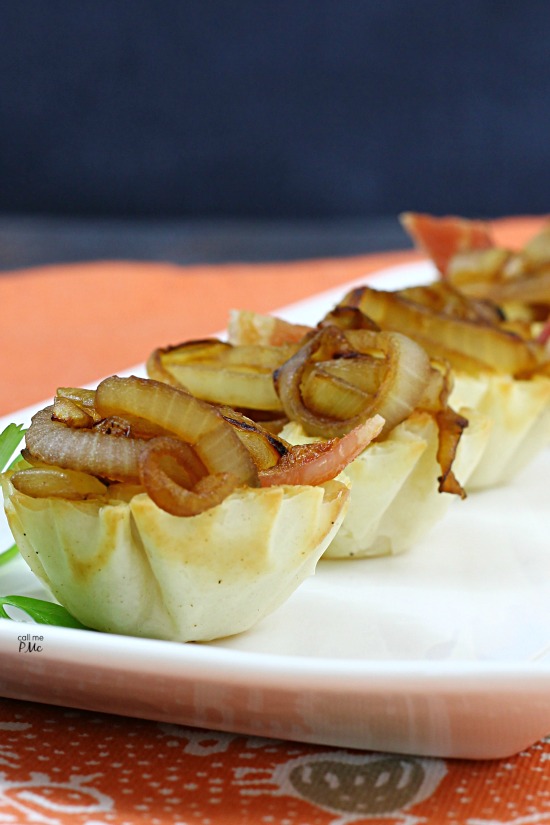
[
  {"x": 311, "y": 385},
  {"x": 488, "y": 317},
  {"x": 146, "y": 511},
  {"x": 466, "y": 256}
]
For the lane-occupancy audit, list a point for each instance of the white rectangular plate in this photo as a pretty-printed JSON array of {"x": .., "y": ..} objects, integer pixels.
[{"x": 443, "y": 651}]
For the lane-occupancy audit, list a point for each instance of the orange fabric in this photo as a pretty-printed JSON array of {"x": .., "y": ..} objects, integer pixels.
[
  {"x": 72, "y": 325},
  {"x": 514, "y": 233},
  {"x": 65, "y": 767}
]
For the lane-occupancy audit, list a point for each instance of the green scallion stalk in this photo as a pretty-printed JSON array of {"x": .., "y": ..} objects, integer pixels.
[
  {"x": 10, "y": 438},
  {"x": 41, "y": 611}
]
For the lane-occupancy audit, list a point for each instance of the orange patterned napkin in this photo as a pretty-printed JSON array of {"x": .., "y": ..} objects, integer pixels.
[{"x": 66, "y": 767}]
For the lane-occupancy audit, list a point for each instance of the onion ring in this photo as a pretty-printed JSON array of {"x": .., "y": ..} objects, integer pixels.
[
  {"x": 405, "y": 377},
  {"x": 171, "y": 495},
  {"x": 87, "y": 450},
  {"x": 189, "y": 419}
]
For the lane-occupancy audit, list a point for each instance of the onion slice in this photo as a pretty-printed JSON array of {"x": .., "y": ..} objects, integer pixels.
[
  {"x": 450, "y": 428},
  {"x": 265, "y": 448},
  {"x": 222, "y": 373},
  {"x": 181, "y": 498},
  {"x": 87, "y": 450},
  {"x": 406, "y": 374},
  {"x": 70, "y": 413},
  {"x": 189, "y": 419},
  {"x": 56, "y": 482},
  {"x": 532, "y": 288},
  {"x": 497, "y": 349}
]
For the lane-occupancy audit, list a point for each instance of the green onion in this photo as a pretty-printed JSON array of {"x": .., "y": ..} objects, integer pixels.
[
  {"x": 10, "y": 438},
  {"x": 9, "y": 554},
  {"x": 41, "y": 611}
]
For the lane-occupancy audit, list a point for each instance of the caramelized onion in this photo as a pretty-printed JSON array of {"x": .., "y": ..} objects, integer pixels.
[
  {"x": 345, "y": 317},
  {"x": 403, "y": 381},
  {"x": 184, "y": 495},
  {"x": 533, "y": 288},
  {"x": 266, "y": 449},
  {"x": 471, "y": 268},
  {"x": 505, "y": 278},
  {"x": 114, "y": 425},
  {"x": 55, "y": 482},
  {"x": 221, "y": 373},
  {"x": 288, "y": 379},
  {"x": 90, "y": 451},
  {"x": 70, "y": 413},
  {"x": 324, "y": 393},
  {"x": 83, "y": 398},
  {"x": 443, "y": 297},
  {"x": 236, "y": 387},
  {"x": 178, "y": 458},
  {"x": 442, "y": 334},
  {"x": 189, "y": 419},
  {"x": 206, "y": 455},
  {"x": 362, "y": 370},
  {"x": 450, "y": 426}
]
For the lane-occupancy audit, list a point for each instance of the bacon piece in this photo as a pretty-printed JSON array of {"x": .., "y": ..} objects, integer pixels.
[{"x": 442, "y": 238}]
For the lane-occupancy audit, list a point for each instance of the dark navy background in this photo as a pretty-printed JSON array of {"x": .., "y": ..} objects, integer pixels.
[{"x": 283, "y": 109}]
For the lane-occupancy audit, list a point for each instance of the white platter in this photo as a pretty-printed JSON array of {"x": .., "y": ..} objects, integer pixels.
[{"x": 443, "y": 651}]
